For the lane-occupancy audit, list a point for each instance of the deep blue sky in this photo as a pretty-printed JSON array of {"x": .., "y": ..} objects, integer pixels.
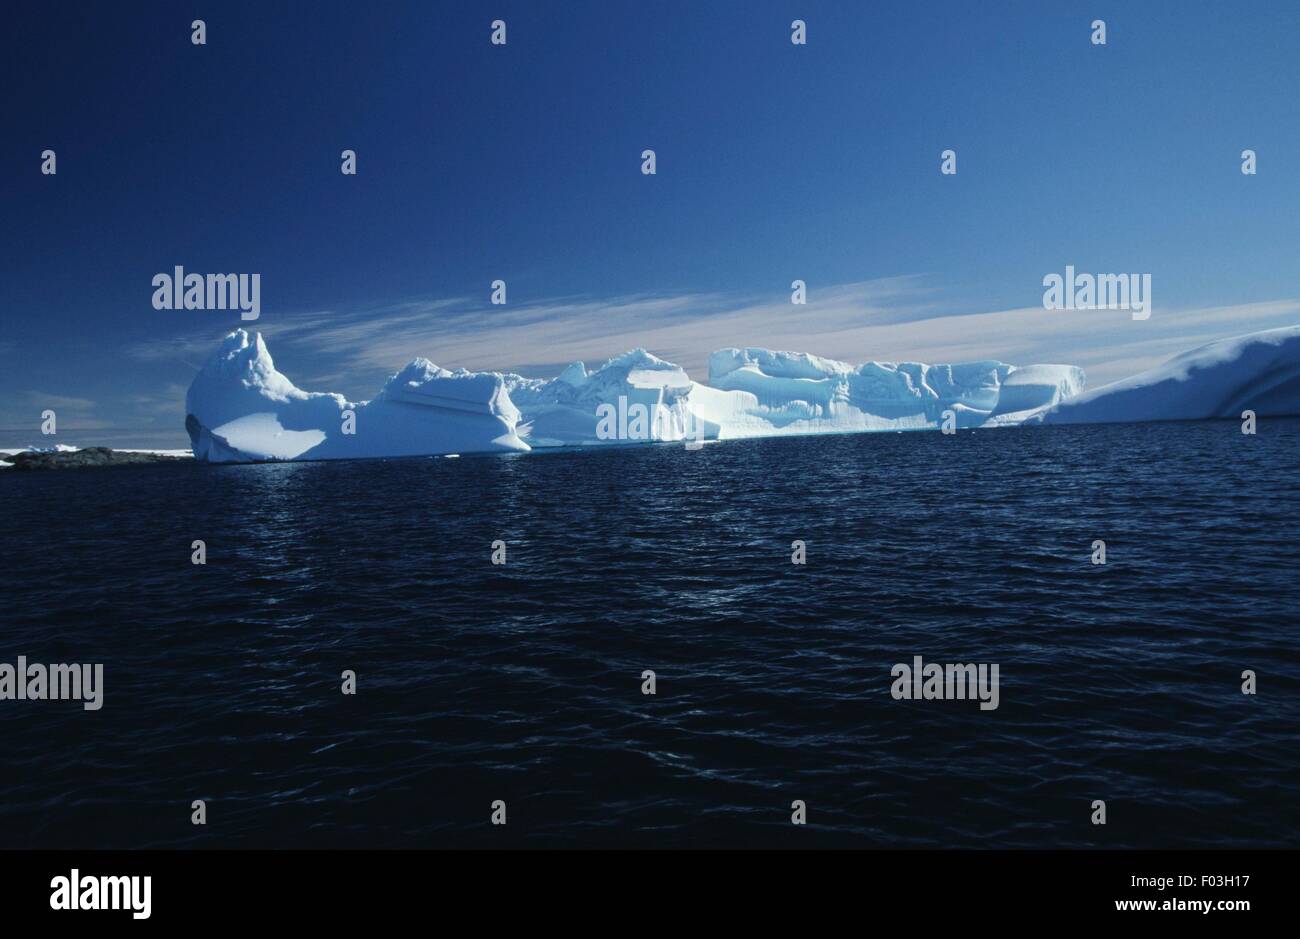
[{"x": 522, "y": 162}]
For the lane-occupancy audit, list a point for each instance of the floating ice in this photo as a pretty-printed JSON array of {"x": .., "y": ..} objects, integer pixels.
[
  {"x": 240, "y": 408},
  {"x": 574, "y": 409},
  {"x": 796, "y": 393}
]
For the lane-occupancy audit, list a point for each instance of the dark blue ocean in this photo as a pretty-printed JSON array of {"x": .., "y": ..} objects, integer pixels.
[{"x": 522, "y": 682}]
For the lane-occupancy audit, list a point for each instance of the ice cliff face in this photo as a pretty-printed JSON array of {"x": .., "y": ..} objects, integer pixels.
[
  {"x": 798, "y": 393},
  {"x": 240, "y": 408},
  {"x": 757, "y": 393},
  {"x": 577, "y": 407}
]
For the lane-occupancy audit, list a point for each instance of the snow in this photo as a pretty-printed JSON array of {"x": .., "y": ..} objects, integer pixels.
[
  {"x": 796, "y": 393},
  {"x": 262, "y": 434},
  {"x": 567, "y": 410},
  {"x": 241, "y": 408},
  {"x": 57, "y": 448},
  {"x": 1258, "y": 371},
  {"x": 182, "y": 453},
  {"x": 757, "y": 392}
]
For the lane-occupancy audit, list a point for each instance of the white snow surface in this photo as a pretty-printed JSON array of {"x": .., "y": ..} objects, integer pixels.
[
  {"x": 758, "y": 393},
  {"x": 240, "y": 408},
  {"x": 1258, "y": 372},
  {"x": 796, "y": 393},
  {"x": 57, "y": 448},
  {"x": 565, "y": 411}
]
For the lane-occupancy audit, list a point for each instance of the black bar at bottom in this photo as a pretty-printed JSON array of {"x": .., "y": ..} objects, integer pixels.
[{"x": 337, "y": 888}]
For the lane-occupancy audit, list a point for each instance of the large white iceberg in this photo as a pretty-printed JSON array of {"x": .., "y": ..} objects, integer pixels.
[
  {"x": 1258, "y": 372},
  {"x": 240, "y": 408}
]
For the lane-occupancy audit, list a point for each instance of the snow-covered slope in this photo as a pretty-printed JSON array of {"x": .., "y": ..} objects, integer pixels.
[
  {"x": 1257, "y": 371},
  {"x": 241, "y": 408}
]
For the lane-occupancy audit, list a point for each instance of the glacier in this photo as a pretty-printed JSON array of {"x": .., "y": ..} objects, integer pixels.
[
  {"x": 1258, "y": 371},
  {"x": 240, "y": 408}
]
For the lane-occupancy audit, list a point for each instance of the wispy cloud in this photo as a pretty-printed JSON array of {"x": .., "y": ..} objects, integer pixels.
[
  {"x": 59, "y": 402},
  {"x": 543, "y": 337},
  {"x": 895, "y": 319},
  {"x": 186, "y": 350},
  {"x": 70, "y": 412},
  {"x": 168, "y": 403}
]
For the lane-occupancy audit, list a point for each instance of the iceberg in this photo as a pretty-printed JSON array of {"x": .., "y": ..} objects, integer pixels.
[
  {"x": 760, "y": 393},
  {"x": 576, "y": 408},
  {"x": 240, "y": 408},
  {"x": 797, "y": 393},
  {"x": 1258, "y": 372}
]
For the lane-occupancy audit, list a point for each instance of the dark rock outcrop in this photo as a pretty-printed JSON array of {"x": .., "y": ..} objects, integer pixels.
[{"x": 90, "y": 456}]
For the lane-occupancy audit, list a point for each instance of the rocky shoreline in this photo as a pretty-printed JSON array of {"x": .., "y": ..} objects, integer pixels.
[{"x": 89, "y": 456}]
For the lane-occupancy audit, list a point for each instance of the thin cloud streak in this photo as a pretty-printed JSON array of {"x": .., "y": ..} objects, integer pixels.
[
  {"x": 682, "y": 328},
  {"x": 896, "y": 319}
]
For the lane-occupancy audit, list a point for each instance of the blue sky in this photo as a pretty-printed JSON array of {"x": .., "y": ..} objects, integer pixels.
[{"x": 522, "y": 162}]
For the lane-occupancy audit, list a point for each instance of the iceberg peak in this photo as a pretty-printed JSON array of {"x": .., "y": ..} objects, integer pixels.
[
  {"x": 575, "y": 375},
  {"x": 418, "y": 371},
  {"x": 635, "y": 358},
  {"x": 240, "y": 408}
]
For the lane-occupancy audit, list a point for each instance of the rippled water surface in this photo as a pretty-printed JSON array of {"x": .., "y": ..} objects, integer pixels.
[{"x": 522, "y": 682}]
